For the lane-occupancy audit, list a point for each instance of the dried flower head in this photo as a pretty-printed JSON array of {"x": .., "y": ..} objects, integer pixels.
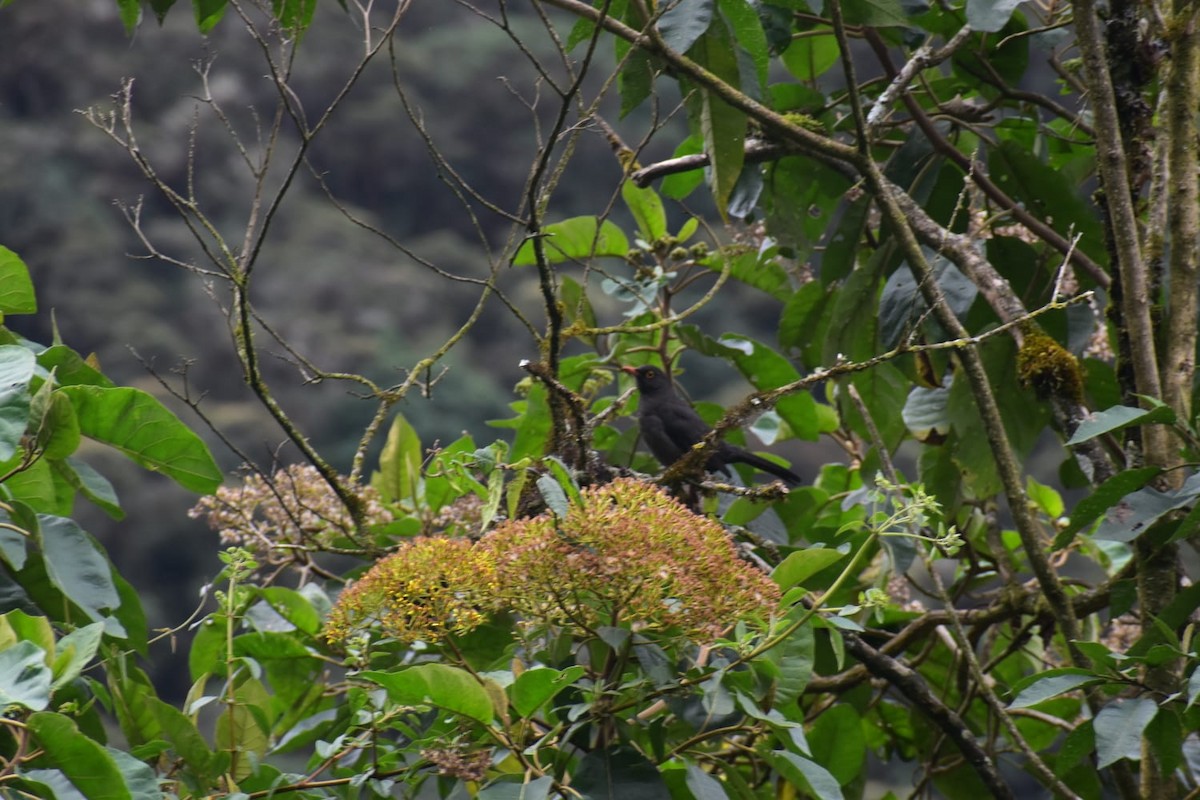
[
  {"x": 294, "y": 510},
  {"x": 628, "y": 553},
  {"x": 454, "y": 762},
  {"x": 430, "y": 588}
]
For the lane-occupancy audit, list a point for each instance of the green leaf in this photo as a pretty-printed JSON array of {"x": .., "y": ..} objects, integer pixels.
[
  {"x": 1051, "y": 684},
  {"x": 70, "y": 368},
  {"x": 160, "y": 8},
  {"x": 805, "y": 773},
  {"x": 875, "y": 13},
  {"x": 143, "y": 429},
  {"x": 534, "y": 687},
  {"x": 179, "y": 730},
  {"x": 24, "y": 676},
  {"x": 1119, "y": 727},
  {"x": 902, "y": 305},
  {"x": 618, "y": 772},
  {"x": 90, "y": 484},
  {"x": 131, "y": 14},
  {"x": 16, "y": 289},
  {"x": 552, "y": 492},
  {"x": 1138, "y": 511},
  {"x": 924, "y": 412},
  {"x": 766, "y": 369},
  {"x": 208, "y": 13},
  {"x": 1118, "y": 417},
  {"x": 809, "y": 56},
  {"x": 747, "y": 29},
  {"x": 76, "y": 565},
  {"x": 803, "y": 564},
  {"x": 399, "y": 475},
  {"x": 684, "y": 22},
  {"x": 722, "y": 127},
  {"x": 17, "y": 366},
  {"x": 791, "y": 662},
  {"x": 838, "y": 743},
  {"x": 87, "y": 764},
  {"x": 647, "y": 209},
  {"x": 294, "y": 15},
  {"x": 576, "y": 239},
  {"x": 437, "y": 684},
  {"x": 989, "y": 16},
  {"x": 57, "y": 431},
  {"x": 74, "y": 652},
  {"x": 704, "y": 786},
  {"x": 1106, "y": 495}
]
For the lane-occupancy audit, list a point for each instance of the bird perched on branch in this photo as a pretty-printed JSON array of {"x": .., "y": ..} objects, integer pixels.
[{"x": 671, "y": 427}]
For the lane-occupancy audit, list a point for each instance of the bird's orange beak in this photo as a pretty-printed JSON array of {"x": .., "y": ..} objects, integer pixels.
[{"x": 629, "y": 369}]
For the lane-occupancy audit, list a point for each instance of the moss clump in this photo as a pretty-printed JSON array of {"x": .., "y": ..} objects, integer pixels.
[{"x": 1049, "y": 369}]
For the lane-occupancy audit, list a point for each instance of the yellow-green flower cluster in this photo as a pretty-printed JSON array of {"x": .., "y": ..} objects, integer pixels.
[
  {"x": 626, "y": 554},
  {"x": 429, "y": 588}
]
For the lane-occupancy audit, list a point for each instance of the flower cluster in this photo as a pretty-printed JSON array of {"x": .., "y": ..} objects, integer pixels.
[
  {"x": 628, "y": 553},
  {"x": 431, "y": 587},
  {"x": 294, "y": 510}
]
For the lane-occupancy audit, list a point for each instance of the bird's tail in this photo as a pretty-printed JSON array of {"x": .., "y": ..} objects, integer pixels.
[{"x": 758, "y": 462}]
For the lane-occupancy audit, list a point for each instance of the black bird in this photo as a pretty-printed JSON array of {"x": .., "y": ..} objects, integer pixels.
[{"x": 671, "y": 427}]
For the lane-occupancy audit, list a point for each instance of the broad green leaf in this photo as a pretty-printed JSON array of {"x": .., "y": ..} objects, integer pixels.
[
  {"x": 748, "y": 34},
  {"x": 647, "y": 209},
  {"x": 875, "y": 13},
  {"x": 161, "y": 7},
  {"x": 576, "y": 239},
  {"x": 57, "y": 431},
  {"x": 1051, "y": 684},
  {"x": 1119, "y": 727},
  {"x": 810, "y": 55},
  {"x": 552, "y": 492},
  {"x": 90, "y": 484},
  {"x": 1106, "y": 495},
  {"x": 399, "y": 476},
  {"x": 76, "y": 565},
  {"x": 766, "y": 369},
  {"x": 618, "y": 772},
  {"x": 704, "y": 786},
  {"x": 1193, "y": 687},
  {"x": 19, "y": 626},
  {"x": 838, "y": 743},
  {"x": 440, "y": 685},
  {"x": 42, "y": 489},
  {"x": 241, "y": 730},
  {"x": 16, "y": 289},
  {"x": 793, "y": 661},
  {"x": 1138, "y": 511},
  {"x": 804, "y": 772},
  {"x": 924, "y": 412},
  {"x": 74, "y": 652},
  {"x": 294, "y": 607},
  {"x": 294, "y": 15},
  {"x": 208, "y": 13},
  {"x": 681, "y": 184},
  {"x": 902, "y": 305},
  {"x": 1118, "y": 417},
  {"x": 179, "y": 730},
  {"x": 635, "y": 81},
  {"x": 70, "y": 368},
  {"x": 143, "y": 429},
  {"x": 989, "y": 16},
  {"x": 87, "y": 764},
  {"x": 536, "y": 789},
  {"x": 17, "y": 366},
  {"x": 803, "y": 564},
  {"x": 684, "y": 22},
  {"x": 534, "y": 687},
  {"x": 24, "y": 677},
  {"x": 131, "y": 14},
  {"x": 1044, "y": 497},
  {"x": 721, "y": 126}
]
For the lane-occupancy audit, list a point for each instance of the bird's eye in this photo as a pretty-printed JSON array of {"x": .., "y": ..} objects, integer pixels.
[{"x": 650, "y": 374}]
